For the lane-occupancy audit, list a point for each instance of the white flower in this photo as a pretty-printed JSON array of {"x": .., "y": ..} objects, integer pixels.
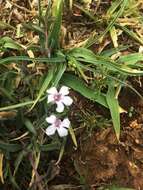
[
  {"x": 57, "y": 125},
  {"x": 60, "y": 98}
]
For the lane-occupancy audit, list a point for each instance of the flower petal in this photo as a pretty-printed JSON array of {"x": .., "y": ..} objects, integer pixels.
[
  {"x": 67, "y": 100},
  {"x": 50, "y": 98},
  {"x": 51, "y": 119},
  {"x": 66, "y": 123},
  {"x": 60, "y": 107},
  {"x": 141, "y": 49},
  {"x": 64, "y": 90},
  {"x": 51, "y": 130},
  {"x": 52, "y": 90},
  {"x": 62, "y": 131}
]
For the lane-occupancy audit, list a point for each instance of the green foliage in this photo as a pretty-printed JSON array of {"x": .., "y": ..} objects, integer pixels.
[
  {"x": 6, "y": 42},
  {"x": 114, "y": 109},
  {"x": 53, "y": 41},
  {"x": 79, "y": 85},
  {"x": 113, "y": 16},
  {"x": 23, "y": 88}
]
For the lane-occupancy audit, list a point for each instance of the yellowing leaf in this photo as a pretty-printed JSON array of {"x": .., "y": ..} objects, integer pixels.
[
  {"x": 71, "y": 131},
  {"x": 1, "y": 166},
  {"x": 114, "y": 37}
]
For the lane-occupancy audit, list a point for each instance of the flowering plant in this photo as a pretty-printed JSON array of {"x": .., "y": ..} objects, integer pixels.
[
  {"x": 61, "y": 99},
  {"x": 57, "y": 125}
]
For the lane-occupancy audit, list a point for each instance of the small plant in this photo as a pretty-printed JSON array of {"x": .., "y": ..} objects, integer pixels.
[
  {"x": 28, "y": 70},
  {"x": 57, "y": 125},
  {"x": 60, "y": 99}
]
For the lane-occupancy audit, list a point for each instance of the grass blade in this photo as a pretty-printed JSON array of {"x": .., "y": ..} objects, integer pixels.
[
  {"x": 19, "y": 105},
  {"x": 29, "y": 126},
  {"x": 93, "y": 39},
  {"x": 59, "y": 73},
  {"x": 114, "y": 109},
  {"x": 26, "y": 58},
  {"x": 79, "y": 86},
  {"x": 45, "y": 85},
  {"x": 10, "y": 147},
  {"x": 50, "y": 147},
  {"x": 53, "y": 41},
  {"x": 130, "y": 33},
  {"x": 131, "y": 59}
]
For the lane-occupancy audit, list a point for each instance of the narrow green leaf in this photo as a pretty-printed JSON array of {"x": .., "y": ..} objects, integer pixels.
[
  {"x": 87, "y": 12},
  {"x": 29, "y": 126},
  {"x": 50, "y": 147},
  {"x": 114, "y": 66},
  {"x": 10, "y": 147},
  {"x": 113, "y": 51},
  {"x": 20, "y": 105},
  {"x": 113, "y": 7},
  {"x": 82, "y": 53},
  {"x": 114, "y": 109},
  {"x": 93, "y": 39},
  {"x": 60, "y": 69},
  {"x": 130, "y": 33},
  {"x": 33, "y": 27},
  {"x": 78, "y": 85},
  {"x": 62, "y": 150},
  {"x": 131, "y": 59},
  {"x": 26, "y": 58},
  {"x": 8, "y": 42},
  {"x": 5, "y": 39},
  {"x": 87, "y": 56},
  {"x": 4, "y": 25},
  {"x": 12, "y": 179},
  {"x": 19, "y": 160},
  {"x": 7, "y": 94},
  {"x": 45, "y": 85},
  {"x": 15, "y": 106},
  {"x": 12, "y": 46},
  {"x": 55, "y": 32}
]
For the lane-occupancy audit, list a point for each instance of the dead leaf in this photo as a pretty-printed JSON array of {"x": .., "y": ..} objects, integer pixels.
[
  {"x": 7, "y": 115},
  {"x": 1, "y": 168}
]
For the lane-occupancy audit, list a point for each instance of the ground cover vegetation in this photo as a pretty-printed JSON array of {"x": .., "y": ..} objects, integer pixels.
[{"x": 71, "y": 94}]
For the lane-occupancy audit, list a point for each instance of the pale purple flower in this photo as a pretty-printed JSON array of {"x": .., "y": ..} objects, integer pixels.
[
  {"x": 57, "y": 125},
  {"x": 60, "y": 98}
]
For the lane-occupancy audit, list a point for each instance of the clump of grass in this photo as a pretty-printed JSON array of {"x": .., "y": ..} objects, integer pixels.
[{"x": 30, "y": 69}]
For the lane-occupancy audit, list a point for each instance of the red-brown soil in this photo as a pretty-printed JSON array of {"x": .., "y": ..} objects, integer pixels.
[{"x": 100, "y": 158}]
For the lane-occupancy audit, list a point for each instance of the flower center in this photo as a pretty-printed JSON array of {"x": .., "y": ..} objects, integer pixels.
[
  {"x": 57, "y": 97},
  {"x": 57, "y": 123}
]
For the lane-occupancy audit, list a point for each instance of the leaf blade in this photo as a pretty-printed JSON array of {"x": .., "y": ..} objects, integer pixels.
[{"x": 114, "y": 110}]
